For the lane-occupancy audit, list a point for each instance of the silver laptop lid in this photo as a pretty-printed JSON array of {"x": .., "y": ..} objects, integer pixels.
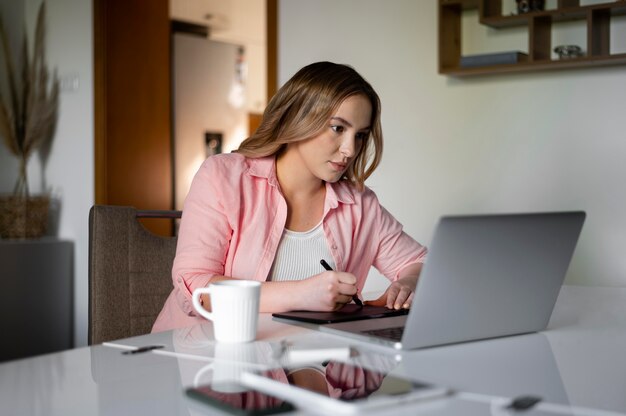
[
  {"x": 490, "y": 276},
  {"x": 486, "y": 276}
]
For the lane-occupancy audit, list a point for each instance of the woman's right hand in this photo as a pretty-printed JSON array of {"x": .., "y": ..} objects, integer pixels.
[{"x": 327, "y": 291}]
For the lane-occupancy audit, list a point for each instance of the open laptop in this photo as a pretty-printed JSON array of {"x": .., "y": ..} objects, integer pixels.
[{"x": 486, "y": 276}]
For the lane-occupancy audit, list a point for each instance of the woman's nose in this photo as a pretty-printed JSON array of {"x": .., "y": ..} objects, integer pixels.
[{"x": 347, "y": 148}]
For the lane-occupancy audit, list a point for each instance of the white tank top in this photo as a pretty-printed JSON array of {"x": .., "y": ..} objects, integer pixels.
[{"x": 299, "y": 255}]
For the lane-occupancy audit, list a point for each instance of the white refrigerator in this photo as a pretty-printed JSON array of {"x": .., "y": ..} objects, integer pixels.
[{"x": 209, "y": 109}]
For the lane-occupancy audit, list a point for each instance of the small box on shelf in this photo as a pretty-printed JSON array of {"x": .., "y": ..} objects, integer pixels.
[{"x": 488, "y": 59}]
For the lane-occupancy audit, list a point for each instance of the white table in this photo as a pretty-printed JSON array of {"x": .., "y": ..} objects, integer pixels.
[{"x": 577, "y": 366}]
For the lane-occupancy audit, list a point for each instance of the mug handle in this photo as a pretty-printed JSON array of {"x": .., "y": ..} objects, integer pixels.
[
  {"x": 195, "y": 298},
  {"x": 198, "y": 377}
]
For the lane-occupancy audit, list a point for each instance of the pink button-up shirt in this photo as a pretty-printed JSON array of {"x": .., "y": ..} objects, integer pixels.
[{"x": 234, "y": 217}]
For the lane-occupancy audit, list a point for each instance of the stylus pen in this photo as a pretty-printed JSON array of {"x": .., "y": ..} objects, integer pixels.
[{"x": 355, "y": 298}]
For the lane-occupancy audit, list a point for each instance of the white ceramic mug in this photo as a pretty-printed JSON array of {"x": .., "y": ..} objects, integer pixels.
[{"x": 235, "y": 309}]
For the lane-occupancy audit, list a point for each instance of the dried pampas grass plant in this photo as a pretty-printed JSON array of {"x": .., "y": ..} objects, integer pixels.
[
  {"x": 28, "y": 119},
  {"x": 27, "y": 122}
]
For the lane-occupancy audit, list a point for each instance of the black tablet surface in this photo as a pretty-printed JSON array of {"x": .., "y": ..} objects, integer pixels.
[{"x": 349, "y": 312}]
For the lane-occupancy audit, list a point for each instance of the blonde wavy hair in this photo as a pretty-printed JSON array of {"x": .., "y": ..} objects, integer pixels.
[{"x": 302, "y": 108}]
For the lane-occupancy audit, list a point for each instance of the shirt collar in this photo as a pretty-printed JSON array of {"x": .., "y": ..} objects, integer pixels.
[
  {"x": 263, "y": 167},
  {"x": 339, "y": 192}
]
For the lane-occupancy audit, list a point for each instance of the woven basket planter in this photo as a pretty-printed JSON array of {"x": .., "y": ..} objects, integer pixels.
[{"x": 23, "y": 217}]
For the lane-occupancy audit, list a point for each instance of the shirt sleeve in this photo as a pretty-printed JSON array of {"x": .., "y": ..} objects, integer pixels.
[
  {"x": 395, "y": 249},
  {"x": 204, "y": 234}
]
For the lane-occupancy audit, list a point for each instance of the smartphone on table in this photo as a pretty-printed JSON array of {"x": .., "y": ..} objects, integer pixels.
[{"x": 342, "y": 388}]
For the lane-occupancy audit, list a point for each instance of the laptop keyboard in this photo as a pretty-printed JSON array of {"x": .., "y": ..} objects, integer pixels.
[{"x": 394, "y": 334}]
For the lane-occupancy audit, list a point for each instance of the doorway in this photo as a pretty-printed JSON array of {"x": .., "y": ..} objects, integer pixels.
[{"x": 133, "y": 103}]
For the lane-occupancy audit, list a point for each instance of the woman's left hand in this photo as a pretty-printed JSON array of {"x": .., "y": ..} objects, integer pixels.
[{"x": 399, "y": 294}]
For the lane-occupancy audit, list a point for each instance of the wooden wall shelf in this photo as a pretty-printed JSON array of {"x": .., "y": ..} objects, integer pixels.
[{"x": 598, "y": 22}]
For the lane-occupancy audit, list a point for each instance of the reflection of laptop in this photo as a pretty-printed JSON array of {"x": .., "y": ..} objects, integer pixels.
[{"x": 486, "y": 276}]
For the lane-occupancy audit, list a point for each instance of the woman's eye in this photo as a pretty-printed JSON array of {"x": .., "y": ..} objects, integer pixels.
[
  {"x": 337, "y": 129},
  {"x": 362, "y": 135}
]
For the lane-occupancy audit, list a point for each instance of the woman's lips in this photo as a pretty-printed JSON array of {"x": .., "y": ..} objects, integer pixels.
[{"x": 339, "y": 167}]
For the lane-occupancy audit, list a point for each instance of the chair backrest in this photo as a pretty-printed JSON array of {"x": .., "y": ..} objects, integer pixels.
[{"x": 129, "y": 272}]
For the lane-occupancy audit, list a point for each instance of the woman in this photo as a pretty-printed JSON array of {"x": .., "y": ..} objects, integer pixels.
[{"x": 292, "y": 195}]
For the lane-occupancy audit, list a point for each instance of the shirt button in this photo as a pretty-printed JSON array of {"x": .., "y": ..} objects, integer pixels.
[
  {"x": 179, "y": 280},
  {"x": 334, "y": 247}
]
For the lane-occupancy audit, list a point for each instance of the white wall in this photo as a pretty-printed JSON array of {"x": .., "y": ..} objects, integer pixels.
[
  {"x": 71, "y": 166},
  {"x": 69, "y": 173},
  {"x": 502, "y": 143}
]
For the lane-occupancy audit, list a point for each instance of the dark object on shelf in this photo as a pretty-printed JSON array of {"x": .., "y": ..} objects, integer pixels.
[
  {"x": 568, "y": 51},
  {"x": 527, "y": 6},
  {"x": 498, "y": 58}
]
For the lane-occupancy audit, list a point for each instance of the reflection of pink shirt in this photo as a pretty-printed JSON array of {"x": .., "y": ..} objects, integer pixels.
[{"x": 234, "y": 217}]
